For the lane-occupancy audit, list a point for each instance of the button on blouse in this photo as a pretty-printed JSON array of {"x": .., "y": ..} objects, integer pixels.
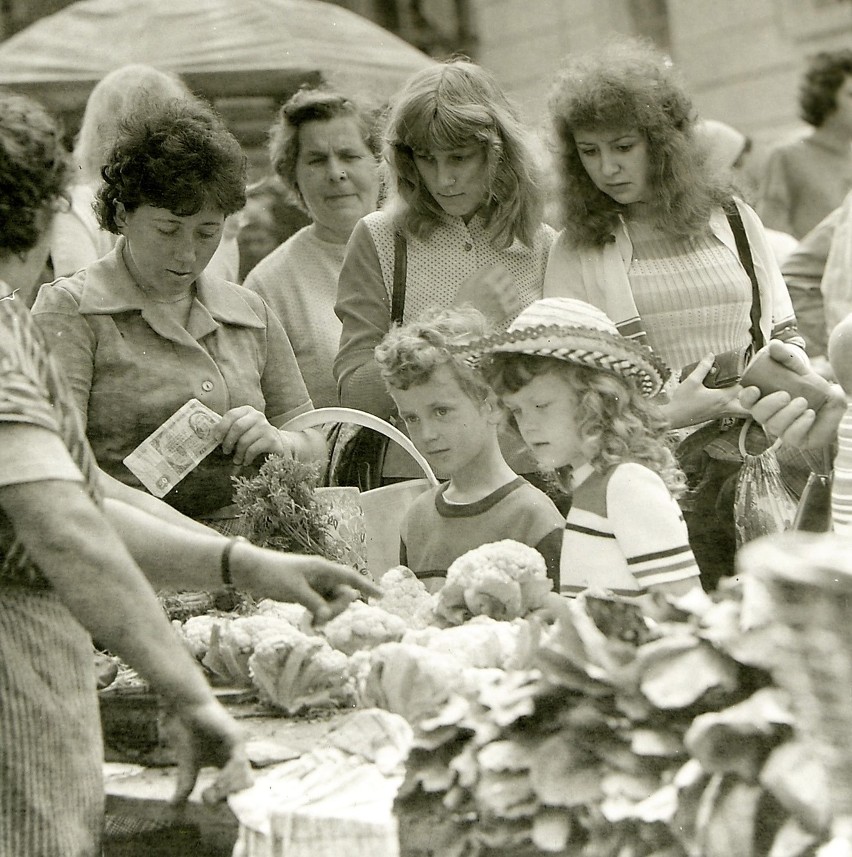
[{"x": 130, "y": 366}]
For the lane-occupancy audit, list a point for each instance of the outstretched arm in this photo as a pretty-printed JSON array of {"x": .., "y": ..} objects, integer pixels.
[
  {"x": 173, "y": 557},
  {"x": 69, "y": 539}
]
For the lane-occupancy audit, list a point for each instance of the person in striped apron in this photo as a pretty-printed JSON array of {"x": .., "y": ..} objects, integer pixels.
[{"x": 68, "y": 561}]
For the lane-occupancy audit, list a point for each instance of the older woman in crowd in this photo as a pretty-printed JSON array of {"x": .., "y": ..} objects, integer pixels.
[
  {"x": 68, "y": 560},
  {"x": 146, "y": 329},
  {"x": 325, "y": 147}
]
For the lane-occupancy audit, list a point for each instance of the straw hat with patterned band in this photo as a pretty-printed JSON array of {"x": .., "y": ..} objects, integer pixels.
[{"x": 580, "y": 333}]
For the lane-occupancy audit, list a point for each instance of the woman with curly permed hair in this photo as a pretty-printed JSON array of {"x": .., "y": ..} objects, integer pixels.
[
  {"x": 465, "y": 211},
  {"x": 808, "y": 178},
  {"x": 74, "y": 551},
  {"x": 78, "y": 238},
  {"x": 659, "y": 241},
  {"x": 147, "y": 328}
]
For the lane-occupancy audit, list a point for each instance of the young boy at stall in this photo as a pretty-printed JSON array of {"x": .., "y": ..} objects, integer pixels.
[
  {"x": 452, "y": 417},
  {"x": 580, "y": 395}
]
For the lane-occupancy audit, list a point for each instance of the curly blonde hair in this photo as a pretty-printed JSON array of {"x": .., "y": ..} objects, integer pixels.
[
  {"x": 628, "y": 84},
  {"x": 411, "y": 353},
  {"x": 450, "y": 105},
  {"x": 615, "y": 421}
]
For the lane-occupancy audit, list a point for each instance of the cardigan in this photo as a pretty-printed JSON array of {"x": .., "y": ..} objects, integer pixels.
[{"x": 598, "y": 275}]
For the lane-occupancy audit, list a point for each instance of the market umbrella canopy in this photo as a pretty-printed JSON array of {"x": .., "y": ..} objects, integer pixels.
[{"x": 221, "y": 48}]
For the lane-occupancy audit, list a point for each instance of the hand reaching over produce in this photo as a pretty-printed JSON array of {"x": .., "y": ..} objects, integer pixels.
[
  {"x": 326, "y": 588},
  {"x": 206, "y": 735}
]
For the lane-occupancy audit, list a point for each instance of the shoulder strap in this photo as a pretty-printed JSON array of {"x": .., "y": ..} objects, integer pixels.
[
  {"x": 744, "y": 251},
  {"x": 400, "y": 265}
]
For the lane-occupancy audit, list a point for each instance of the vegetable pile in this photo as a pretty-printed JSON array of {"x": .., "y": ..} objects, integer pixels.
[
  {"x": 622, "y": 736},
  {"x": 544, "y": 725}
]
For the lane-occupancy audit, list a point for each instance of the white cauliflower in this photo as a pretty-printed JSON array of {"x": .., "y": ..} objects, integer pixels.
[
  {"x": 297, "y": 615},
  {"x": 408, "y": 680},
  {"x": 481, "y": 642},
  {"x": 196, "y": 632},
  {"x": 298, "y": 671},
  {"x": 363, "y": 626},
  {"x": 503, "y": 580},
  {"x": 404, "y": 595},
  {"x": 232, "y": 643}
]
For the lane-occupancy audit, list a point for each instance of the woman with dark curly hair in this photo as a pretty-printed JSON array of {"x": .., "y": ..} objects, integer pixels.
[
  {"x": 145, "y": 329},
  {"x": 466, "y": 209},
  {"x": 325, "y": 147},
  {"x": 651, "y": 237},
  {"x": 808, "y": 178},
  {"x": 73, "y": 548}
]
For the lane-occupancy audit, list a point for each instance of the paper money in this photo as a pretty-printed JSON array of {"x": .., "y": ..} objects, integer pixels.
[{"x": 175, "y": 448}]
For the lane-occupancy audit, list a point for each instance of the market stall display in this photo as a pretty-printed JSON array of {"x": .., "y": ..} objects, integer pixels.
[{"x": 517, "y": 722}]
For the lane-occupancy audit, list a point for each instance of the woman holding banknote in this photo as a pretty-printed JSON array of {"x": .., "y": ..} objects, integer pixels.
[{"x": 145, "y": 330}]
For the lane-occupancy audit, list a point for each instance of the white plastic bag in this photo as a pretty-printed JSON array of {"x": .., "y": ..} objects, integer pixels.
[{"x": 762, "y": 503}]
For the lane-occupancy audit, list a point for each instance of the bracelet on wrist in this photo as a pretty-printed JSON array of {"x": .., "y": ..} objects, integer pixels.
[{"x": 225, "y": 565}]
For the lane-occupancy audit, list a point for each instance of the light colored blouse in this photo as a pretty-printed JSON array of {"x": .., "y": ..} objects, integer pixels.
[
  {"x": 130, "y": 366},
  {"x": 600, "y": 276},
  {"x": 437, "y": 267}
]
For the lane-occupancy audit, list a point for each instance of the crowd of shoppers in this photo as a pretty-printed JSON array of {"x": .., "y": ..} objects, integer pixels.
[{"x": 600, "y": 347}]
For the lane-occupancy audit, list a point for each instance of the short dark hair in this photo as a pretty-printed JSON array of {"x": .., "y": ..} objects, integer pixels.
[
  {"x": 33, "y": 169},
  {"x": 176, "y": 155},
  {"x": 818, "y": 90},
  {"x": 314, "y": 104}
]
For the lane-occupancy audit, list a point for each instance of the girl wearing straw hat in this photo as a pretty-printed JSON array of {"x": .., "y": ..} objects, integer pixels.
[{"x": 580, "y": 395}]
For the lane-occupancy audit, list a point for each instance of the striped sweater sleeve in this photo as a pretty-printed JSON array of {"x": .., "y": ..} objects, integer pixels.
[
  {"x": 649, "y": 527},
  {"x": 841, "y": 489}
]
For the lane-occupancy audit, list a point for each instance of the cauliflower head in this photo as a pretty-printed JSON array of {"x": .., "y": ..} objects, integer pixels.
[
  {"x": 297, "y": 615},
  {"x": 482, "y": 642},
  {"x": 299, "y": 671},
  {"x": 408, "y": 680},
  {"x": 196, "y": 632},
  {"x": 504, "y": 580},
  {"x": 404, "y": 595},
  {"x": 232, "y": 643},
  {"x": 363, "y": 626}
]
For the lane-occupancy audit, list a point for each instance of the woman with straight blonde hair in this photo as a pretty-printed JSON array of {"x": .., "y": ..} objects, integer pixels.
[{"x": 466, "y": 210}]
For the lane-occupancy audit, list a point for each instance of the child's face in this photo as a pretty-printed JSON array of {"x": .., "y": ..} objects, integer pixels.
[
  {"x": 445, "y": 423},
  {"x": 545, "y": 412}
]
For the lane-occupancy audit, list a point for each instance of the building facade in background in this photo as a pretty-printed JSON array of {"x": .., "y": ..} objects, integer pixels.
[{"x": 742, "y": 60}]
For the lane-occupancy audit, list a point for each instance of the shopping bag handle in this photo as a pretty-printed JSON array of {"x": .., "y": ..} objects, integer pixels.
[{"x": 321, "y": 416}]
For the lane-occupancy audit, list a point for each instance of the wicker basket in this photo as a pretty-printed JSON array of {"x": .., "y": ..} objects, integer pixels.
[{"x": 809, "y": 579}]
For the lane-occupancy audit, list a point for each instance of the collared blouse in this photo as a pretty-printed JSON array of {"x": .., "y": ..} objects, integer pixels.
[{"x": 130, "y": 366}]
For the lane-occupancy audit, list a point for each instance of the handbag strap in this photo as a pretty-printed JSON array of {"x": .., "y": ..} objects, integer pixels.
[
  {"x": 744, "y": 250},
  {"x": 321, "y": 416},
  {"x": 400, "y": 266}
]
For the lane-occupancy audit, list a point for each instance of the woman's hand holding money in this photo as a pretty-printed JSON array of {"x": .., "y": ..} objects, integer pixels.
[{"x": 245, "y": 432}]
